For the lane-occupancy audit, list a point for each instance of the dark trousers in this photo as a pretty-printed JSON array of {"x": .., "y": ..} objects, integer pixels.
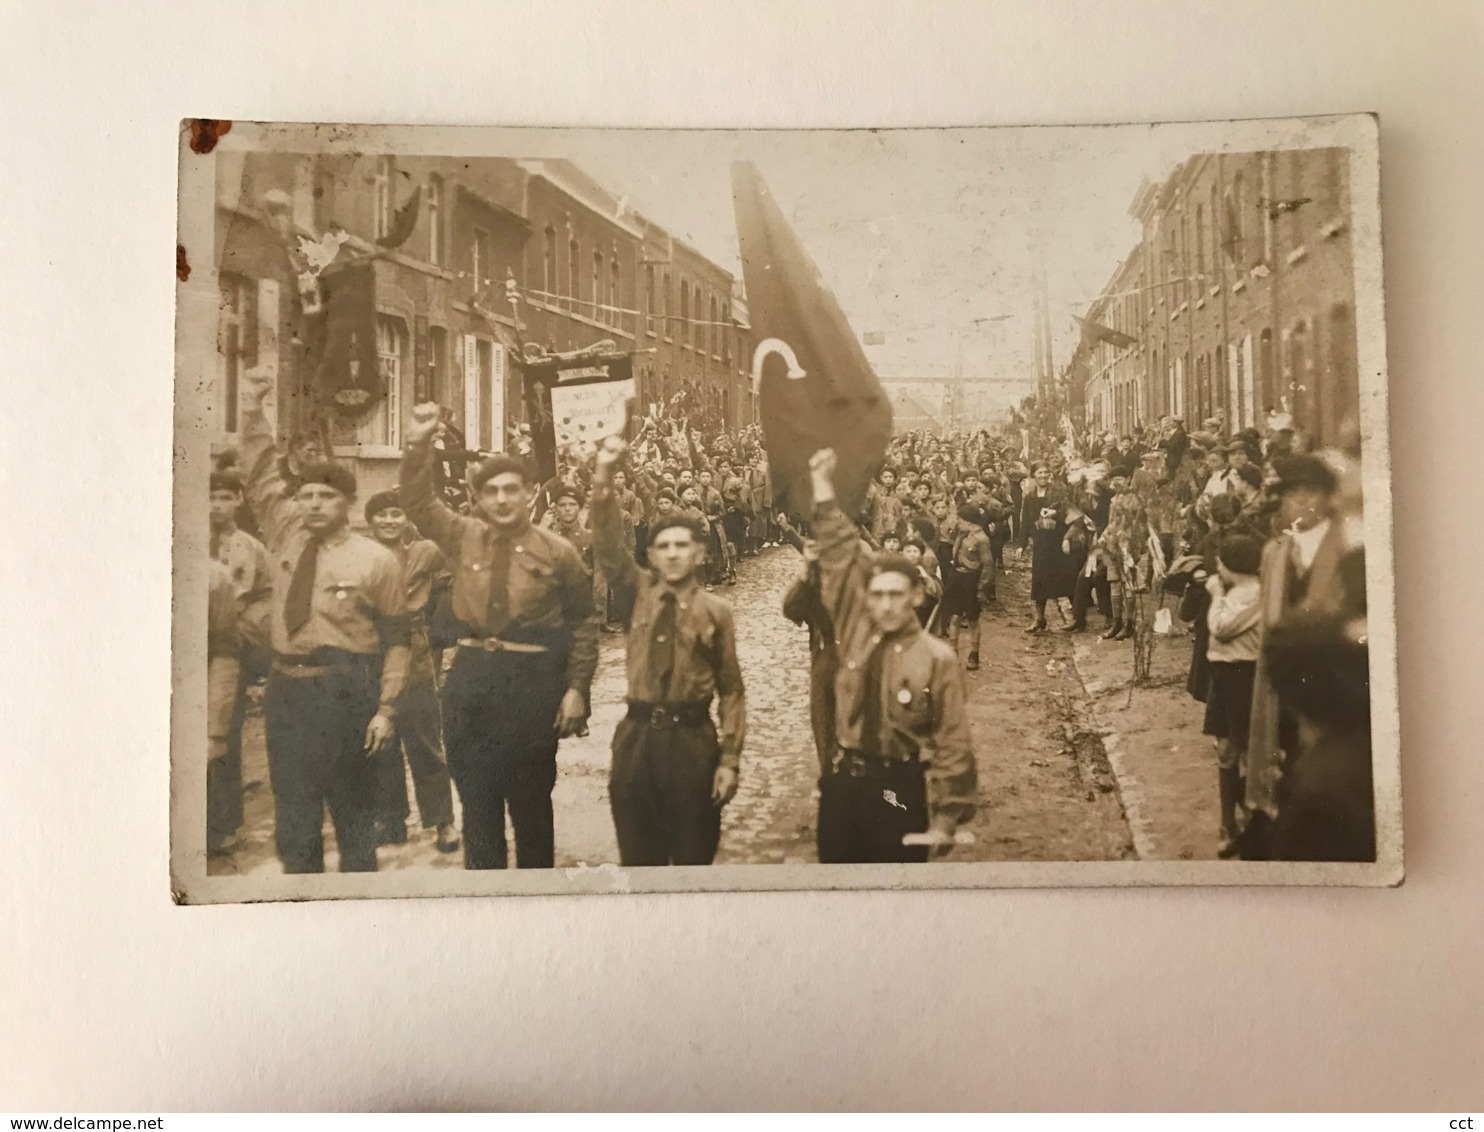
[
  {"x": 420, "y": 736},
  {"x": 659, "y": 789},
  {"x": 862, "y": 817},
  {"x": 1088, "y": 589},
  {"x": 316, "y": 730},
  {"x": 499, "y": 724}
]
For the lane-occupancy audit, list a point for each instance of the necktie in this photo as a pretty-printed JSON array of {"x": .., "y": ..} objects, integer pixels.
[
  {"x": 300, "y": 598},
  {"x": 662, "y": 645},
  {"x": 499, "y": 606},
  {"x": 871, "y": 691}
]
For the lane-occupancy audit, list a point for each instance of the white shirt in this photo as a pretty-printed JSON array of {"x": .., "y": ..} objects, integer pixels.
[{"x": 1306, "y": 543}]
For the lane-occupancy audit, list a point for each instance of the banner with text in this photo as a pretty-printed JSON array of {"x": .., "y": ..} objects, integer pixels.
[{"x": 584, "y": 415}]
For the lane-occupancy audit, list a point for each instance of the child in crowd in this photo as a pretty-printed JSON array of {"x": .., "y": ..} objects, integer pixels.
[{"x": 1235, "y": 638}]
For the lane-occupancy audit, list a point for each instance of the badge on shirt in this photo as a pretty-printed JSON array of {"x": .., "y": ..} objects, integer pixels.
[{"x": 904, "y": 697}]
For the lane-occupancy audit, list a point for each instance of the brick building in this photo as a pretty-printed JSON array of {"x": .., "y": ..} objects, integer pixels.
[
  {"x": 1240, "y": 298},
  {"x": 581, "y": 266}
]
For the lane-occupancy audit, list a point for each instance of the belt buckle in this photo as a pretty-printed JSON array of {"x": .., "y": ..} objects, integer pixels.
[{"x": 658, "y": 717}]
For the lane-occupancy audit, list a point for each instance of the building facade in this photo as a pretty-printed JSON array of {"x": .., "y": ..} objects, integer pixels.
[
  {"x": 1239, "y": 297},
  {"x": 502, "y": 253}
]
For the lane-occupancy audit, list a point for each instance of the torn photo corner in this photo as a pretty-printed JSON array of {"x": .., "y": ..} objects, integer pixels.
[{"x": 1001, "y": 507}]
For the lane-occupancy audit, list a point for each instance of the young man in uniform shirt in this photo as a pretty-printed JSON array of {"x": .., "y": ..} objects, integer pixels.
[
  {"x": 565, "y": 519},
  {"x": 340, "y": 643},
  {"x": 419, "y": 726},
  {"x": 906, "y": 761},
  {"x": 244, "y": 563},
  {"x": 672, "y": 774},
  {"x": 521, "y": 677}
]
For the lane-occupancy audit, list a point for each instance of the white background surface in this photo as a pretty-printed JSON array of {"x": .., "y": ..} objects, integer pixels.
[{"x": 114, "y": 999}]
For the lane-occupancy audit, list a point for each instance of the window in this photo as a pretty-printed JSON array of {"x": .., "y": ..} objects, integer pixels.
[
  {"x": 574, "y": 261},
  {"x": 685, "y": 331},
  {"x": 1265, "y": 379},
  {"x": 1182, "y": 257},
  {"x": 726, "y": 333},
  {"x": 381, "y": 219},
  {"x": 549, "y": 265},
  {"x": 384, "y": 426},
  {"x": 613, "y": 290},
  {"x": 479, "y": 259},
  {"x": 599, "y": 314},
  {"x": 438, "y": 365},
  {"x": 713, "y": 332},
  {"x": 1265, "y": 201},
  {"x": 1237, "y": 218},
  {"x": 1200, "y": 240},
  {"x": 237, "y": 345},
  {"x": 649, "y": 299},
  {"x": 435, "y": 220},
  {"x": 665, "y": 295}
]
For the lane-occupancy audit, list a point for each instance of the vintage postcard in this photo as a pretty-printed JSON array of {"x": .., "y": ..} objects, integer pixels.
[{"x": 606, "y": 511}]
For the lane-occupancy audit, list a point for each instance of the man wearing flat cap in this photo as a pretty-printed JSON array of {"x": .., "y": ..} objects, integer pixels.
[
  {"x": 340, "y": 632},
  {"x": 526, "y": 654}
]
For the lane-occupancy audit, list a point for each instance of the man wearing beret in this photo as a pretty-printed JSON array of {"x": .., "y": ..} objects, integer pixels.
[
  {"x": 565, "y": 519},
  {"x": 672, "y": 772},
  {"x": 340, "y": 631},
  {"x": 529, "y": 646},
  {"x": 904, "y": 768},
  {"x": 419, "y": 726}
]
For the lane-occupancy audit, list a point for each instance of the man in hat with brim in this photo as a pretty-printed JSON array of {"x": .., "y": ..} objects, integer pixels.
[{"x": 1303, "y": 570}]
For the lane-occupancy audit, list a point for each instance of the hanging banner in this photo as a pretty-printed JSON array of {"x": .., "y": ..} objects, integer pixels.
[
  {"x": 348, "y": 379},
  {"x": 496, "y": 395},
  {"x": 583, "y": 416},
  {"x": 472, "y": 438}
]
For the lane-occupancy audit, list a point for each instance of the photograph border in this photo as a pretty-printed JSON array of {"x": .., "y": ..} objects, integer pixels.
[{"x": 196, "y": 312}]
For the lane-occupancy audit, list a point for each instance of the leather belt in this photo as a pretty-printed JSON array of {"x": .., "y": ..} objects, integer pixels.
[
  {"x": 859, "y": 764},
  {"x": 691, "y": 714},
  {"x": 499, "y": 644},
  {"x": 305, "y": 667}
]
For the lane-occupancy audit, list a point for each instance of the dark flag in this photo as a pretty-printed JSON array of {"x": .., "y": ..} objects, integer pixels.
[
  {"x": 1097, "y": 332},
  {"x": 347, "y": 379},
  {"x": 403, "y": 221},
  {"x": 815, "y": 388}
]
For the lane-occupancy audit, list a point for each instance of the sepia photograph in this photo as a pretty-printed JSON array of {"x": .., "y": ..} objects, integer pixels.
[{"x": 609, "y": 511}]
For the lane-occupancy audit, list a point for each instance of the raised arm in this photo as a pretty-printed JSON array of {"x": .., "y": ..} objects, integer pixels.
[
  {"x": 434, "y": 518},
  {"x": 613, "y": 552},
  {"x": 839, "y": 543},
  {"x": 277, "y": 517}
]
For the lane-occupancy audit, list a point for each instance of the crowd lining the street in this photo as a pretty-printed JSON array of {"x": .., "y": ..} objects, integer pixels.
[{"x": 462, "y": 632}]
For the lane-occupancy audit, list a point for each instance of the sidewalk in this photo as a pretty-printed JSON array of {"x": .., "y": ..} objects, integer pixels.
[{"x": 1166, "y": 769}]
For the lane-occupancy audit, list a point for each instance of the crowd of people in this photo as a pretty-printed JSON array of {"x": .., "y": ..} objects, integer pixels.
[
  {"x": 1250, "y": 537},
  {"x": 461, "y": 632}
]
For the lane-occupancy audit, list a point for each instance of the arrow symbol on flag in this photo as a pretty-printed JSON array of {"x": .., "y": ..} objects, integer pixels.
[{"x": 783, "y": 350}]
